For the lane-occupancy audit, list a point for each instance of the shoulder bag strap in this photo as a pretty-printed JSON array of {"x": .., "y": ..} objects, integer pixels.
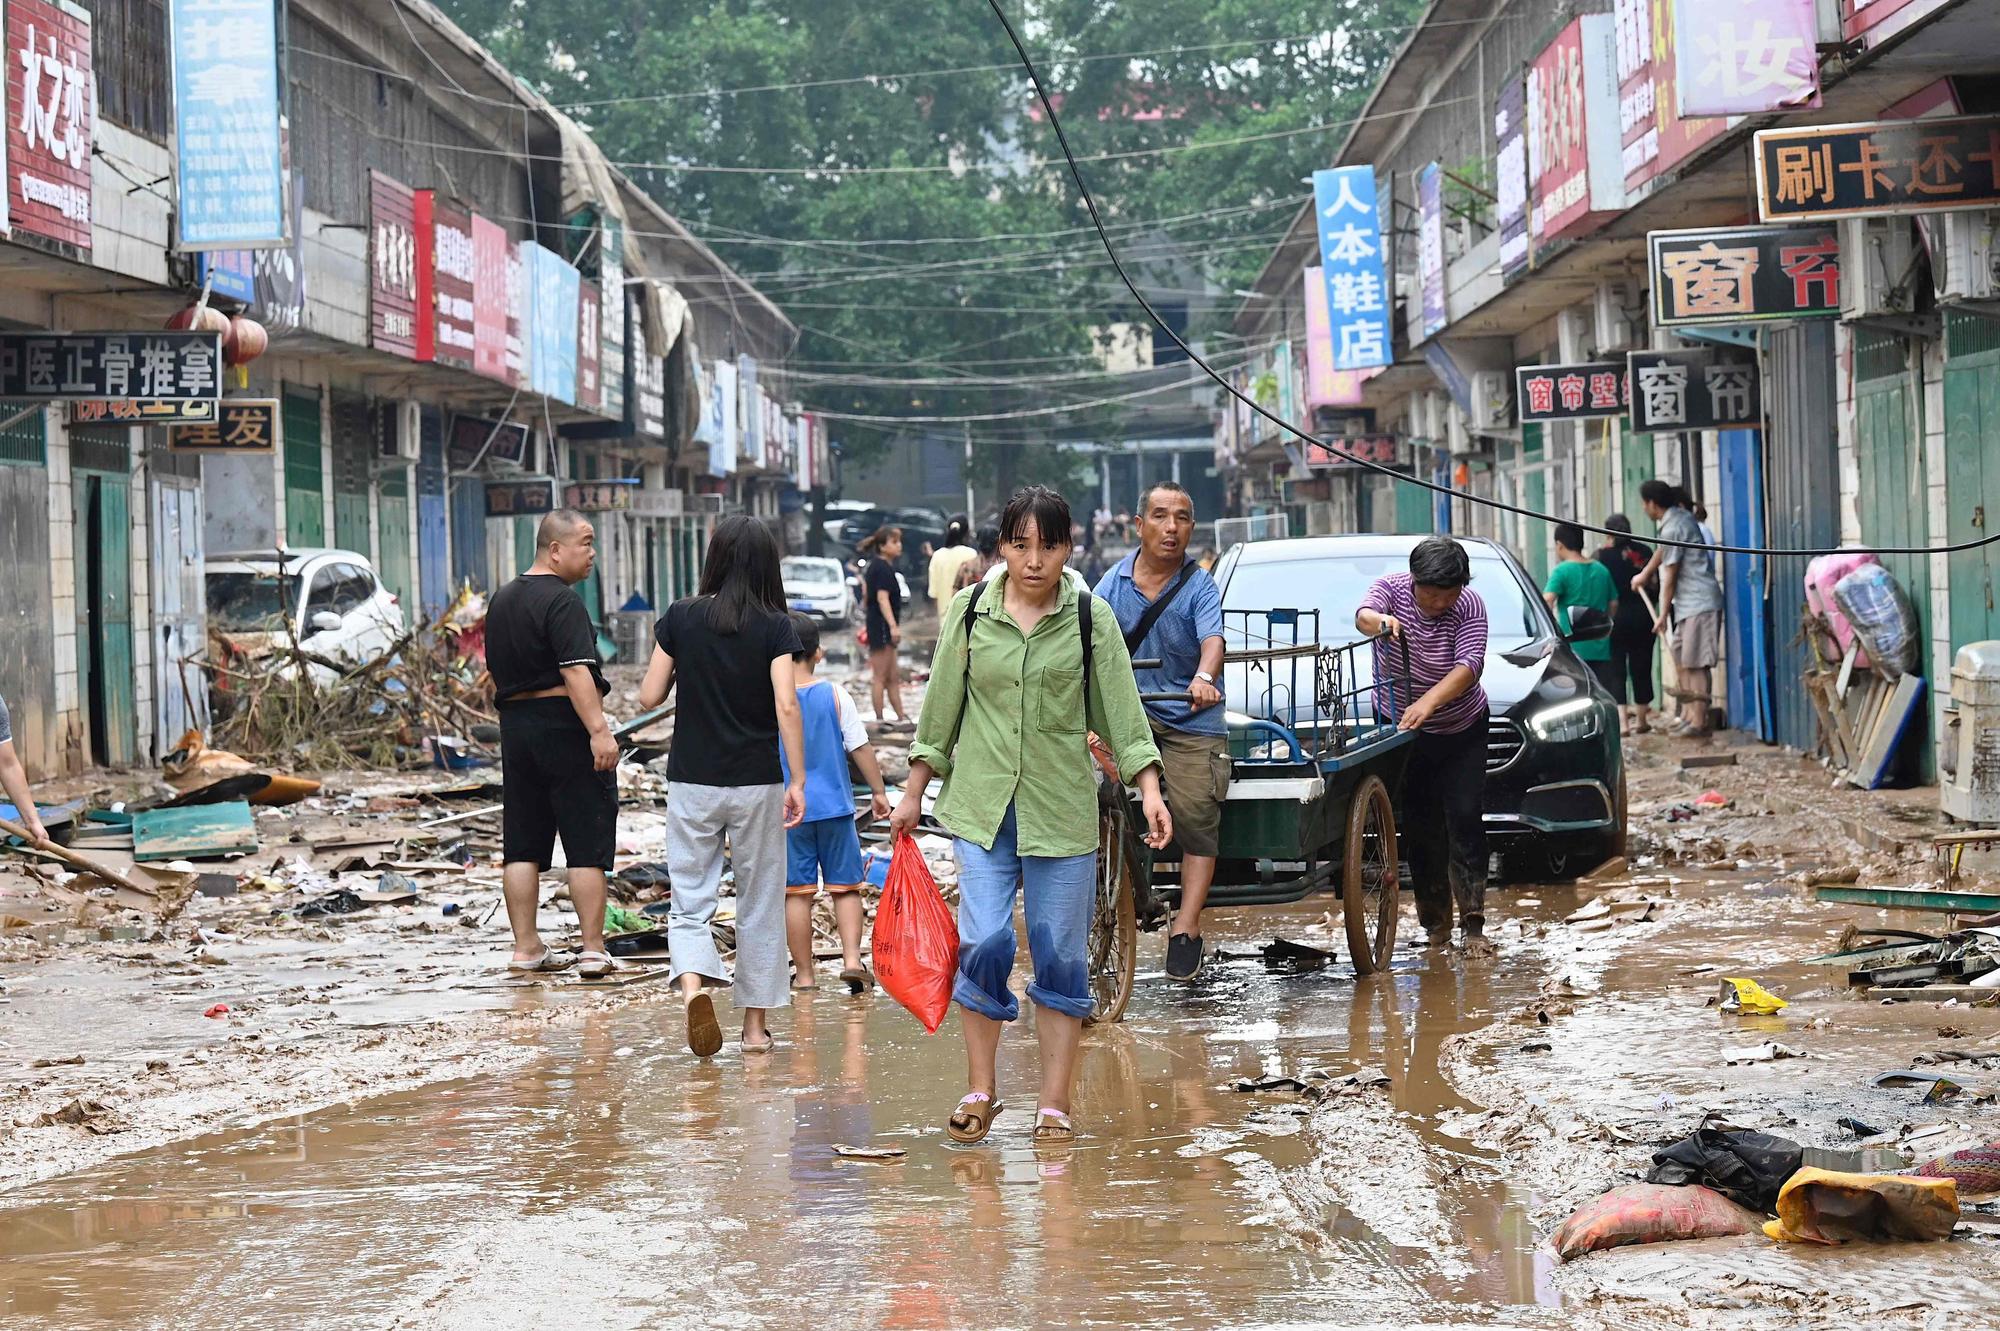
[{"x": 1137, "y": 633}]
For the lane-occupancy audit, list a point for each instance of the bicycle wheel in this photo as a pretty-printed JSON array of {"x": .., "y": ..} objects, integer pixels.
[
  {"x": 1114, "y": 926},
  {"x": 1370, "y": 893}
]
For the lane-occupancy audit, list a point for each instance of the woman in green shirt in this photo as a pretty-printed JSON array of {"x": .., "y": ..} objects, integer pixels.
[
  {"x": 1581, "y": 582},
  {"x": 1005, "y": 721}
]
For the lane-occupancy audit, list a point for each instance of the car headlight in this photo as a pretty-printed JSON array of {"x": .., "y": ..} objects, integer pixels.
[{"x": 1573, "y": 720}]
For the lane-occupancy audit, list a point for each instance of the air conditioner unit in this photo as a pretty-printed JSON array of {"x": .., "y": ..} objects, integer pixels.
[
  {"x": 1492, "y": 401},
  {"x": 1877, "y": 261},
  {"x": 1970, "y": 257},
  {"x": 1613, "y": 330},
  {"x": 398, "y": 428}
]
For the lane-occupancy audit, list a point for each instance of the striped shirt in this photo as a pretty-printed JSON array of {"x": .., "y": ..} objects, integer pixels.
[{"x": 1437, "y": 647}]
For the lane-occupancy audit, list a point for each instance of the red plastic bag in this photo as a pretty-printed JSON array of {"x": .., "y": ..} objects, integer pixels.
[{"x": 916, "y": 938}]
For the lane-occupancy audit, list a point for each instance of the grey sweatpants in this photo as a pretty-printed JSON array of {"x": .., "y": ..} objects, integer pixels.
[{"x": 752, "y": 818}]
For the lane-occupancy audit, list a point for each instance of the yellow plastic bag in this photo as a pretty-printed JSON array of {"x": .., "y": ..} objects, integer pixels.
[
  {"x": 1821, "y": 1206},
  {"x": 1749, "y": 996}
]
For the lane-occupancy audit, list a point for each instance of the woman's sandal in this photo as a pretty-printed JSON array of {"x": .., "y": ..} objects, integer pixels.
[
  {"x": 1053, "y": 1128},
  {"x": 704, "y": 1033},
  {"x": 763, "y": 1046},
  {"x": 973, "y": 1119}
]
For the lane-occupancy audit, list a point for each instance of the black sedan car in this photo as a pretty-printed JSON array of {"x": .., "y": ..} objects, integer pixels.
[{"x": 1555, "y": 770}]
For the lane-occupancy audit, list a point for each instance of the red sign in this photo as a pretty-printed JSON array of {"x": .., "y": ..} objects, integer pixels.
[
  {"x": 1574, "y": 176},
  {"x": 392, "y": 261},
  {"x": 589, "y": 338},
  {"x": 517, "y": 313},
  {"x": 424, "y": 226},
  {"x": 1655, "y": 139},
  {"x": 51, "y": 119},
  {"x": 454, "y": 283},
  {"x": 1882, "y": 19},
  {"x": 490, "y": 254}
]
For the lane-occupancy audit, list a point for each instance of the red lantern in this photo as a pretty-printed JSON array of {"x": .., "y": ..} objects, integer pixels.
[
  {"x": 244, "y": 341},
  {"x": 201, "y": 318}
]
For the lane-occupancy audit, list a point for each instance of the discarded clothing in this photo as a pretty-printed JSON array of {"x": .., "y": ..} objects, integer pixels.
[
  {"x": 1747, "y": 1167},
  {"x": 1820, "y": 1206},
  {"x": 1976, "y": 1169},
  {"x": 1650, "y": 1213},
  {"x": 1740, "y": 995}
]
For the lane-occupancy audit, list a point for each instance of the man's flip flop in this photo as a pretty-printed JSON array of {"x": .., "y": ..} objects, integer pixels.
[
  {"x": 973, "y": 1119},
  {"x": 549, "y": 960},
  {"x": 704, "y": 1034}
]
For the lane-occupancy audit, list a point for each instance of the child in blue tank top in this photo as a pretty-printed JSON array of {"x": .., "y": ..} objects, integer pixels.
[{"x": 826, "y": 846}]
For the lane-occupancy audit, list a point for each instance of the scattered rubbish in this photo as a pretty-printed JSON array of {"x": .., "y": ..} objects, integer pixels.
[
  {"x": 1615, "y": 867},
  {"x": 618, "y": 920},
  {"x": 346, "y": 901},
  {"x": 1820, "y": 1206},
  {"x": 882, "y": 1153},
  {"x": 204, "y": 831},
  {"x": 1651, "y": 1213},
  {"x": 1712, "y": 799},
  {"x": 1975, "y": 1169},
  {"x": 451, "y": 908},
  {"x": 1768, "y": 1052},
  {"x": 78, "y": 1113},
  {"x": 1297, "y": 956},
  {"x": 1857, "y": 1127},
  {"x": 217, "y": 1010},
  {"x": 1538, "y": 1047},
  {"x": 1354, "y": 1083},
  {"x": 1936, "y": 1087},
  {"x": 648, "y": 938},
  {"x": 1269, "y": 1083},
  {"x": 1613, "y": 908},
  {"x": 1746, "y": 1167},
  {"x": 1843, "y": 873},
  {"x": 1692, "y": 761},
  {"x": 1747, "y": 996},
  {"x": 73, "y": 1061},
  {"x": 256, "y": 787},
  {"x": 216, "y": 884},
  {"x": 648, "y": 874}
]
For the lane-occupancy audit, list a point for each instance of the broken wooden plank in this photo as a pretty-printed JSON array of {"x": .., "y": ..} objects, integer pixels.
[
  {"x": 1898, "y": 707},
  {"x": 1690, "y": 761},
  {"x": 1911, "y": 898},
  {"x": 203, "y": 831},
  {"x": 1934, "y": 993}
]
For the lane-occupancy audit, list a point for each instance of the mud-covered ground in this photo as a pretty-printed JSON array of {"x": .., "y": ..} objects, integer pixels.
[{"x": 383, "y": 1132}]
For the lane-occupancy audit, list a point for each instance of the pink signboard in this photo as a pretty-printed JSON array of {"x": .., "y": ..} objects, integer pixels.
[
  {"x": 489, "y": 298},
  {"x": 1744, "y": 56},
  {"x": 1326, "y": 386}
]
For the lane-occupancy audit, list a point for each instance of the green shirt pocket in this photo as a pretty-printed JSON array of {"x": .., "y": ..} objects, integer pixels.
[{"x": 1059, "y": 701}]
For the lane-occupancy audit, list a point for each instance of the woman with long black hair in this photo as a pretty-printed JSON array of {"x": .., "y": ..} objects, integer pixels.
[
  {"x": 730, "y": 646},
  {"x": 884, "y": 596},
  {"x": 1631, "y": 626}
]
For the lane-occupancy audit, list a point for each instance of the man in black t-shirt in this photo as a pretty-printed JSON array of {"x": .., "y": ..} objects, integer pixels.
[{"x": 556, "y": 748}]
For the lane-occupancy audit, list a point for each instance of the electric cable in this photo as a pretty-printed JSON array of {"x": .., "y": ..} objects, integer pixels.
[{"x": 1369, "y": 464}]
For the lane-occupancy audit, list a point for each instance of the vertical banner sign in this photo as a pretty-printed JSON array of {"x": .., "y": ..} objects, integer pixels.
[
  {"x": 1879, "y": 20},
  {"x": 1745, "y": 56},
  {"x": 281, "y": 272},
  {"x": 727, "y": 398},
  {"x": 1325, "y": 386},
  {"x": 556, "y": 291},
  {"x": 749, "y": 421},
  {"x": 1745, "y": 274},
  {"x": 453, "y": 283},
  {"x": 517, "y": 313},
  {"x": 229, "y": 160},
  {"x": 1350, "y": 251},
  {"x": 423, "y": 220},
  {"x": 489, "y": 298},
  {"x": 392, "y": 263},
  {"x": 611, "y": 336},
  {"x": 647, "y": 374},
  {"x": 1575, "y": 161},
  {"x": 1510, "y": 136},
  {"x": 589, "y": 329},
  {"x": 49, "y": 139},
  {"x": 1430, "y": 246},
  {"x": 1656, "y": 138}
]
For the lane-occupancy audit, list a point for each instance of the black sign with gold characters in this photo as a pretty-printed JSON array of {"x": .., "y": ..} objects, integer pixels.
[
  {"x": 244, "y": 425},
  {"x": 1704, "y": 389},
  {"x": 520, "y": 499},
  {"x": 1743, "y": 274},
  {"x": 1869, "y": 170},
  {"x": 140, "y": 411}
]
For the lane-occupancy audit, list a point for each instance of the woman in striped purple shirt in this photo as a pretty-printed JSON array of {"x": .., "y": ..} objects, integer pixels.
[{"x": 1443, "y": 623}]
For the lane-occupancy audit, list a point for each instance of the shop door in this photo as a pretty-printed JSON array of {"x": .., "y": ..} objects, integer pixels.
[
  {"x": 468, "y": 533},
  {"x": 525, "y": 530},
  {"x": 180, "y": 619},
  {"x": 1534, "y": 492},
  {"x": 1802, "y": 484},
  {"x": 27, "y": 644},
  {"x": 1972, "y": 501},
  {"x": 305, "y": 494},
  {"x": 393, "y": 536},
  {"x": 433, "y": 547},
  {"x": 353, "y": 448},
  {"x": 101, "y": 500},
  {"x": 1745, "y": 605},
  {"x": 1892, "y": 502}
]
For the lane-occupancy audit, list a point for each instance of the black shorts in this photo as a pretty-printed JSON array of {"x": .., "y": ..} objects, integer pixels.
[{"x": 548, "y": 786}]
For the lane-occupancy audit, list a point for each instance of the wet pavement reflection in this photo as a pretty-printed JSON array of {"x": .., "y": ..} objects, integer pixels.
[{"x": 613, "y": 1181}]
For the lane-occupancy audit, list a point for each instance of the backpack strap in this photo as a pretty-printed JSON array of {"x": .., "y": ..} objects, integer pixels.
[{"x": 1085, "y": 627}]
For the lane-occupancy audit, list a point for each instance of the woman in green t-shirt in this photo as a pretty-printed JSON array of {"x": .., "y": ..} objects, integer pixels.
[{"x": 1578, "y": 581}]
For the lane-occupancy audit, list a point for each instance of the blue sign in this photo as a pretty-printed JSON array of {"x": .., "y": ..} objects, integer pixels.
[
  {"x": 228, "y": 153},
  {"x": 554, "y": 288},
  {"x": 1358, "y": 295},
  {"x": 228, "y": 273}
]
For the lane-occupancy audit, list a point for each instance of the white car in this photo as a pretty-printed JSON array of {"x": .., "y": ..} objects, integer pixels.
[
  {"x": 331, "y": 601},
  {"x": 818, "y": 587}
]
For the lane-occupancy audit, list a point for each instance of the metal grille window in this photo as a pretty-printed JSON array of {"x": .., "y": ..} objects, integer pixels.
[
  {"x": 1878, "y": 355},
  {"x": 100, "y": 449},
  {"x": 128, "y": 48},
  {"x": 1966, "y": 334},
  {"x": 25, "y": 441}
]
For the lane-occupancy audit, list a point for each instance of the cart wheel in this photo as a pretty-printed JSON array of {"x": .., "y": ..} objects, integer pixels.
[
  {"x": 1370, "y": 892},
  {"x": 1114, "y": 927}
]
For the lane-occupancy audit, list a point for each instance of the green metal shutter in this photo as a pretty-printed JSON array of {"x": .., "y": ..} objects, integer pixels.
[
  {"x": 353, "y": 444},
  {"x": 305, "y": 516},
  {"x": 393, "y": 497},
  {"x": 1894, "y": 483}
]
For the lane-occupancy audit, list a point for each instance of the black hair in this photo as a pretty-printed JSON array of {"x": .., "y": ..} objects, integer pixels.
[
  {"x": 987, "y": 541},
  {"x": 1621, "y": 528},
  {"x": 875, "y": 540},
  {"x": 1569, "y": 536},
  {"x": 955, "y": 530},
  {"x": 558, "y": 525},
  {"x": 1039, "y": 507},
  {"x": 1659, "y": 492},
  {"x": 1439, "y": 561},
  {"x": 1171, "y": 487},
  {"x": 740, "y": 575},
  {"x": 808, "y": 637}
]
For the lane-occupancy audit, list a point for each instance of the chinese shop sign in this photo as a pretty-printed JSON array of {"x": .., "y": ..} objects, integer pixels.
[
  {"x": 243, "y": 425},
  {"x": 1430, "y": 246},
  {"x": 1741, "y": 56},
  {"x": 611, "y": 299},
  {"x": 515, "y": 499},
  {"x": 1575, "y": 172},
  {"x": 1510, "y": 161},
  {"x": 1706, "y": 389},
  {"x": 49, "y": 136},
  {"x": 1744, "y": 274},
  {"x": 646, "y": 377},
  {"x": 180, "y": 366},
  {"x": 1355, "y": 450},
  {"x": 134, "y": 411},
  {"x": 1900, "y": 166},
  {"x": 465, "y": 442},
  {"x": 1879, "y": 20},
  {"x": 554, "y": 291},
  {"x": 1569, "y": 392},
  {"x": 392, "y": 264},
  {"x": 598, "y": 496},
  {"x": 1325, "y": 386},
  {"x": 1654, "y": 137},
  {"x": 1350, "y": 251},
  {"x": 454, "y": 286},
  {"x": 518, "y": 297},
  {"x": 229, "y": 159},
  {"x": 489, "y": 299},
  {"x": 589, "y": 329}
]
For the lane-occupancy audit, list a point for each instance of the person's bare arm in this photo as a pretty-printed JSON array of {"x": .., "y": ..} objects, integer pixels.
[
  {"x": 1373, "y": 623},
  {"x": 903, "y": 820},
  {"x": 1668, "y": 579},
  {"x": 792, "y": 734},
  {"x": 1446, "y": 690},
  {"x": 1644, "y": 576},
  {"x": 15, "y": 778},
  {"x": 871, "y": 772},
  {"x": 659, "y": 679},
  {"x": 1202, "y": 694},
  {"x": 581, "y": 686},
  {"x": 888, "y": 614}
]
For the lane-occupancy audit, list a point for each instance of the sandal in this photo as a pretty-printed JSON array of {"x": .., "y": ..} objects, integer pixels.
[
  {"x": 1053, "y": 1128},
  {"x": 549, "y": 960},
  {"x": 973, "y": 1118},
  {"x": 799, "y": 988},
  {"x": 857, "y": 979},
  {"x": 763, "y": 1046},
  {"x": 594, "y": 965},
  {"x": 704, "y": 1035}
]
